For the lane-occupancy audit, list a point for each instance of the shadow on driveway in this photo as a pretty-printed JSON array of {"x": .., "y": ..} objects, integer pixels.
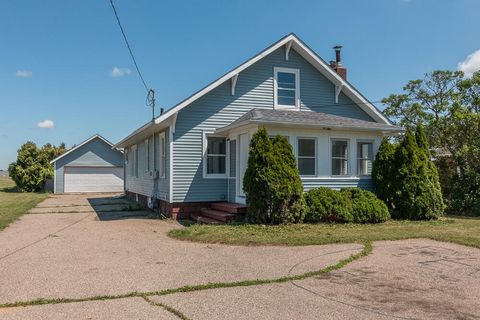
[{"x": 117, "y": 207}]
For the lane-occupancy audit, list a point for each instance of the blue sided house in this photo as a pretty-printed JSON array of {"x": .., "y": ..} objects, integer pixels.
[{"x": 190, "y": 161}]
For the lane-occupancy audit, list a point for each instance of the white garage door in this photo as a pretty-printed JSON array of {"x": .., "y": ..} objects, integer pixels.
[{"x": 93, "y": 179}]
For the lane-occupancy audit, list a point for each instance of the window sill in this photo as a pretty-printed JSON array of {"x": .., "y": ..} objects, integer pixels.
[
  {"x": 286, "y": 107},
  {"x": 215, "y": 176}
]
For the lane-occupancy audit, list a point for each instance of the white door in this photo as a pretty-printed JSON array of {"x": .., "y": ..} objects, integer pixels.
[
  {"x": 93, "y": 179},
  {"x": 242, "y": 157}
]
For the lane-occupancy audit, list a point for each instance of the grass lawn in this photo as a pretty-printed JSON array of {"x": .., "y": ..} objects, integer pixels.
[
  {"x": 459, "y": 230},
  {"x": 13, "y": 204}
]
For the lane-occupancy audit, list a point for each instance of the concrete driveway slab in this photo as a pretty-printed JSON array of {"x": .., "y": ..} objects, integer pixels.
[
  {"x": 411, "y": 279},
  {"x": 85, "y": 257},
  {"x": 122, "y": 309}
]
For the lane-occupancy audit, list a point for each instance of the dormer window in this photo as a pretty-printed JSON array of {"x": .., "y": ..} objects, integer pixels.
[{"x": 286, "y": 88}]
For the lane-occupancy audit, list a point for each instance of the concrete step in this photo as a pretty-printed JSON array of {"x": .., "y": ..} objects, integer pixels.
[
  {"x": 217, "y": 215},
  {"x": 235, "y": 208}
]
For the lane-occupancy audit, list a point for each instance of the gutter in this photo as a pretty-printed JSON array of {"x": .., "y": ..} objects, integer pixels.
[{"x": 391, "y": 129}]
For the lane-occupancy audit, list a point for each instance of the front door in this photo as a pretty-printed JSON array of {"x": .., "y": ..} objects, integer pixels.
[{"x": 242, "y": 157}]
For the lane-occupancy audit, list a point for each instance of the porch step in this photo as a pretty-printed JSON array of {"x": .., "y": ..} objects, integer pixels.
[
  {"x": 218, "y": 215},
  {"x": 204, "y": 220},
  {"x": 234, "y": 208}
]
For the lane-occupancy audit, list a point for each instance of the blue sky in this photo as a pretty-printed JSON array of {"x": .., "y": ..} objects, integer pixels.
[{"x": 57, "y": 58}]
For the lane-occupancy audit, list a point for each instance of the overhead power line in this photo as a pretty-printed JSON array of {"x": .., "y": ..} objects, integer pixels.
[{"x": 129, "y": 48}]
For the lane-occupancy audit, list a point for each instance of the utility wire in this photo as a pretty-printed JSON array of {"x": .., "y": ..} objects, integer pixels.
[{"x": 129, "y": 48}]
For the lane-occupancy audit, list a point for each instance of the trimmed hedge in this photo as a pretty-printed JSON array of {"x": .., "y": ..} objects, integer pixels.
[{"x": 348, "y": 205}]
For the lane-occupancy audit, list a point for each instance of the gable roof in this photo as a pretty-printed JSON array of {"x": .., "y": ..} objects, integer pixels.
[
  {"x": 306, "y": 119},
  {"x": 300, "y": 47},
  {"x": 95, "y": 136}
]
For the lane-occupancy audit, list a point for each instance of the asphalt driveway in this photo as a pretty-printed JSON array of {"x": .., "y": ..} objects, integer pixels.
[{"x": 77, "y": 246}]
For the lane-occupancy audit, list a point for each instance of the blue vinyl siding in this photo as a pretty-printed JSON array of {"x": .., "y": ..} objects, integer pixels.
[
  {"x": 144, "y": 184},
  {"x": 96, "y": 153},
  {"x": 219, "y": 108}
]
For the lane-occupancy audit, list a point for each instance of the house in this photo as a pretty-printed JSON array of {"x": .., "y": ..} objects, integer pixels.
[
  {"x": 91, "y": 166},
  {"x": 196, "y": 153}
]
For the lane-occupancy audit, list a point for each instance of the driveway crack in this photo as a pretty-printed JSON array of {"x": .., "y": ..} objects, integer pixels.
[{"x": 170, "y": 309}]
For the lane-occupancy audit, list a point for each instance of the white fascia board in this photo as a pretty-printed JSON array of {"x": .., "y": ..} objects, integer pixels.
[
  {"x": 141, "y": 132},
  {"x": 82, "y": 144}
]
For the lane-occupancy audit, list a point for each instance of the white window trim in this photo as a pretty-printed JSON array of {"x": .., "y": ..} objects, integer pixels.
[
  {"x": 276, "y": 70},
  {"x": 349, "y": 169},
  {"x": 162, "y": 155},
  {"x": 372, "y": 142},
  {"x": 298, "y": 154},
  {"x": 147, "y": 156},
  {"x": 133, "y": 168},
  {"x": 205, "y": 144}
]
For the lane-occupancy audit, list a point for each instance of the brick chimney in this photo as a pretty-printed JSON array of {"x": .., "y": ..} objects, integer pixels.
[{"x": 337, "y": 63}]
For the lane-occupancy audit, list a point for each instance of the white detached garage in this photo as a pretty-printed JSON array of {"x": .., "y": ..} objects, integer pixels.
[{"x": 92, "y": 166}]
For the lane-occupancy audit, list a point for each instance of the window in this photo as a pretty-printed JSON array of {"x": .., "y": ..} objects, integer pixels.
[
  {"x": 365, "y": 158},
  {"x": 306, "y": 156},
  {"x": 147, "y": 155},
  {"x": 134, "y": 164},
  {"x": 339, "y": 157},
  {"x": 162, "y": 164},
  {"x": 216, "y": 155},
  {"x": 286, "y": 87}
]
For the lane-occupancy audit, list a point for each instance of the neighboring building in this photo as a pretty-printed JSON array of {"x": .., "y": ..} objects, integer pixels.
[
  {"x": 197, "y": 151},
  {"x": 92, "y": 166}
]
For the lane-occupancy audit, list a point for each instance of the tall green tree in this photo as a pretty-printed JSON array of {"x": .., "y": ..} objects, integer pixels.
[
  {"x": 256, "y": 181},
  {"x": 33, "y": 167},
  {"x": 272, "y": 185},
  {"x": 286, "y": 184},
  {"x": 383, "y": 172},
  {"x": 417, "y": 192}
]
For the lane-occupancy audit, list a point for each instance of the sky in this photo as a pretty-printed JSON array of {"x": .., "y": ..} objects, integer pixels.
[{"x": 65, "y": 72}]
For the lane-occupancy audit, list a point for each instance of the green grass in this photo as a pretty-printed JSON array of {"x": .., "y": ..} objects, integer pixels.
[
  {"x": 13, "y": 204},
  {"x": 461, "y": 230}
]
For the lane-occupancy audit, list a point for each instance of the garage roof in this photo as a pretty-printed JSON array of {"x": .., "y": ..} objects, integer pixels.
[{"x": 95, "y": 136}]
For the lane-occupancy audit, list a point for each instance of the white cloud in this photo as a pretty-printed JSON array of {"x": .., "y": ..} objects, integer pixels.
[
  {"x": 23, "y": 73},
  {"x": 470, "y": 64},
  {"x": 120, "y": 72},
  {"x": 46, "y": 124}
]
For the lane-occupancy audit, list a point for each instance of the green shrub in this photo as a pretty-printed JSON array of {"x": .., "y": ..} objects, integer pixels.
[
  {"x": 327, "y": 205},
  {"x": 272, "y": 185},
  {"x": 366, "y": 207}
]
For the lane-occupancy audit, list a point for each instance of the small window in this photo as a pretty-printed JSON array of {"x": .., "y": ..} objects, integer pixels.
[
  {"x": 339, "y": 157},
  {"x": 147, "y": 155},
  {"x": 162, "y": 158},
  {"x": 216, "y": 155},
  {"x": 365, "y": 158},
  {"x": 133, "y": 162},
  {"x": 306, "y": 156},
  {"x": 286, "y": 88}
]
